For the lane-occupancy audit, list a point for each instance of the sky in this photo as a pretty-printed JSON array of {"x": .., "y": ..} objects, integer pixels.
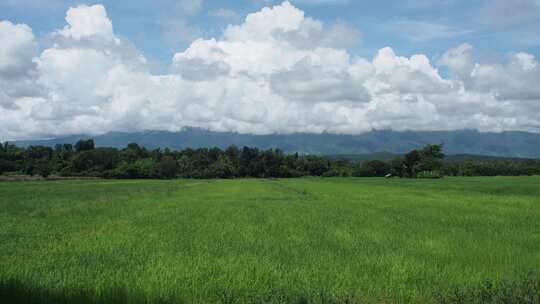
[{"x": 262, "y": 66}]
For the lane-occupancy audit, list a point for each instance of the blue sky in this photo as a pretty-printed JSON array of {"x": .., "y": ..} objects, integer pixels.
[
  {"x": 265, "y": 66},
  {"x": 412, "y": 26}
]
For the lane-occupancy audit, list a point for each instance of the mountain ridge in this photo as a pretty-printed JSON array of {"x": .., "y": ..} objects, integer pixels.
[{"x": 505, "y": 144}]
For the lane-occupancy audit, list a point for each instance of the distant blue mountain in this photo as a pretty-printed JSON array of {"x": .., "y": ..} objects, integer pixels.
[{"x": 505, "y": 144}]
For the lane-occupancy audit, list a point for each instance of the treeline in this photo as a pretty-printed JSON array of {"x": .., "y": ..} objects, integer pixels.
[
  {"x": 134, "y": 161},
  {"x": 85, "y": 160}
]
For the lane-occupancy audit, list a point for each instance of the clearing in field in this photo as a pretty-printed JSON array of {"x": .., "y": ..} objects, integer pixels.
[{"x": 297, "y": 240}]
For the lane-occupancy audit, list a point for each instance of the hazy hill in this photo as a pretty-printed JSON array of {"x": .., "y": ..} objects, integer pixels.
[{"x": 507, "y": 144}]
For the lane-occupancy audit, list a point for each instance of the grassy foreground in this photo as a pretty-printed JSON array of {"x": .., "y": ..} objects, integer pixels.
[{"x": 298, "y": 240}]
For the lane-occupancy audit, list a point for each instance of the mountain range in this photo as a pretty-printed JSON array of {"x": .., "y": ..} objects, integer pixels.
[{"x": 504, "y": 144}]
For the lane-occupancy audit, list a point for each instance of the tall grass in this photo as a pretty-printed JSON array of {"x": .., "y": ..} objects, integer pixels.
[{"x": 242, "y": 241}]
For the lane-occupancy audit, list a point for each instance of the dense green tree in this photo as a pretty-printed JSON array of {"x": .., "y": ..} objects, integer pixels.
[
  {"x": 373, "y": 168},
  {"x": 84, "y": 145},
  {"x": 7, "y": 166},
  {"x": 43, "y": 168},
  {"x": 398, "y": 166},
  {"x": 96, "y": 160},
  {"x": 250, "y": 164},
  {"x": 410, "y": 161},
  {"x": 431, "y": 159},
  {"x": 166, "y": 168},
  {"x": 134, "y": 152},
  {"x": 39, "y": 153},
  {"x": 315, "y": 165},
  {"x": 222, "y": 168}
]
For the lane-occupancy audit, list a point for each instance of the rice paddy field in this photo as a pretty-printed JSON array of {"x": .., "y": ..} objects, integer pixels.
[{"x": 455, "y": 240}]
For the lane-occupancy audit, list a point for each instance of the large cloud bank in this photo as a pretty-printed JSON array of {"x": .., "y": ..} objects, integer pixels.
[{"x": 278, "y": 71}]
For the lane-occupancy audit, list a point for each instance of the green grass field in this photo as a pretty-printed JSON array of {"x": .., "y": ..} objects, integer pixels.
[{"x": 299, "y": 240}]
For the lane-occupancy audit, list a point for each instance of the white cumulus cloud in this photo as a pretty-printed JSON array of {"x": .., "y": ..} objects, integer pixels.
[
  {"x": 88, "y": 21},
  {"x": 278, "y": 71}
]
